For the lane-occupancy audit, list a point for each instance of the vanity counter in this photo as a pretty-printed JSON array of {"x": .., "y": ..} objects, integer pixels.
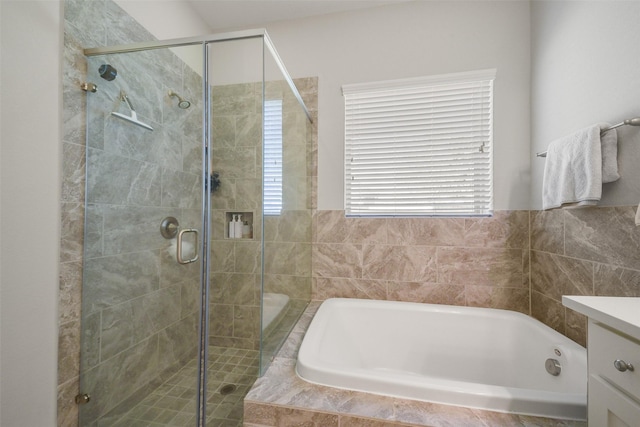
[{"x": 621, "y": 313}]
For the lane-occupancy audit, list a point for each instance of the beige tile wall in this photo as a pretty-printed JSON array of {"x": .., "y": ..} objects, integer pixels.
[
  {"x": 237, "y": 157},
  {"x": 593, "y": 251},
  {"x": 481, "y": 262}
]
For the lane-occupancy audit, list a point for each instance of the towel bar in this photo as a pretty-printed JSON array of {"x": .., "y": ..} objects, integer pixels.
[{"x": 631, "y": 122}]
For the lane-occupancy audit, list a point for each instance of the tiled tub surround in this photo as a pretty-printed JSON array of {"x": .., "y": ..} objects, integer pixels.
[
  {"x": 280, "y": 398},
  {"x": 481, "y": 262},
  {"x": 594, "y": 251},
  {"x": 516, "y": 260}
]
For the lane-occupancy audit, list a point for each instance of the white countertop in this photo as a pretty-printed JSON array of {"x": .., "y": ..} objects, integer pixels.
[{"x": 621, "y": 313}]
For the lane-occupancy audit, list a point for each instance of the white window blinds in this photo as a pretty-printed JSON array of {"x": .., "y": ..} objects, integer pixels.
[
  {"x": 420, "y": 147},
  {"x": 272, "y": 197}
]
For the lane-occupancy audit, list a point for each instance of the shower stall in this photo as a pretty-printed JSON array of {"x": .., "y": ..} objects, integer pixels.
[{"x": 197, "y": 234}]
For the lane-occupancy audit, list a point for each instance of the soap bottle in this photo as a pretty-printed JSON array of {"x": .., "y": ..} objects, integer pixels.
[
  {"x": 237, "y": 233},
  {"x": 246, "y": 230},
  {"x": 232, "y": 227}
]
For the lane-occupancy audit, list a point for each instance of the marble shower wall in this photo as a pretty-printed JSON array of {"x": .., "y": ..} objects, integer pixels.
[
  {"x": 140, "y": 306},
  {"x": 480, "y": 262},
  {"x": 237, "y": 157},
  {"x": 236, "y": 149},
  {"x": 591, "y": 251}
]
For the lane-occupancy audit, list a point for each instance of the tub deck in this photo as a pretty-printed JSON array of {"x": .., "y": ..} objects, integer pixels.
[{"x": 281, "y": 398}]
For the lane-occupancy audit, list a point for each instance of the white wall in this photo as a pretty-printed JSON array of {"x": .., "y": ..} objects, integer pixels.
[
  {"x": 404, "y": 40},
  {"x": 30, "y": 153},
  {"x": 409, "y": 40},
  {"x": 585, "y": 70}
]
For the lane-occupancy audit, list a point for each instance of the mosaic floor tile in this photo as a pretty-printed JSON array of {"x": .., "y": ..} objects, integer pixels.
[{"x": 230, "y": 374}]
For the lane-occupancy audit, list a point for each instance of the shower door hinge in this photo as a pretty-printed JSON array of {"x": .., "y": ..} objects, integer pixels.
[
  {"x": 82, "y": 398},
  {"x": 89, "y": 87}
]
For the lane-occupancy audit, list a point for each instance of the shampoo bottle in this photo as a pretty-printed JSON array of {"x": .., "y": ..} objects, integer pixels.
[
  {"x": 237, "y": 233},
  {"x": 232, "y": 227}
]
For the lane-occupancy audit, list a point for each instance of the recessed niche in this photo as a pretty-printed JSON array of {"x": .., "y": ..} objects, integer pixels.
[{"x": 242, "y": 231}]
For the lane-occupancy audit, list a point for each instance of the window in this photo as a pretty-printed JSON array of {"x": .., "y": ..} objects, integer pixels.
[
  {"x": 272, "y": 197},
  {"x": 420, "y": 147}
]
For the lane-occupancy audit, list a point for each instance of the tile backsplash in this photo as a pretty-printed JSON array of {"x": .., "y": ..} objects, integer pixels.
[
  {"x": 516, "y": 260},
  {"x": 592, "y": 251},
  {"x": 462, "y": 261}
]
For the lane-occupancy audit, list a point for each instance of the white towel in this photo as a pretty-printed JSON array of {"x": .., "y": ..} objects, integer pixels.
[
  {"x": 609, "y": 144},
  {"x": 573, "y": 170}
]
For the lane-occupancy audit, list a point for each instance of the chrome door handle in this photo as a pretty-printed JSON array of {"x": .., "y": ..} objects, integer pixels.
[{"x": 179, "y": 246}]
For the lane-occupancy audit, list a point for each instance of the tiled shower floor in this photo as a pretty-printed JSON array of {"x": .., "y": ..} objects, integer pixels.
[{"x": 174, "y": 402}]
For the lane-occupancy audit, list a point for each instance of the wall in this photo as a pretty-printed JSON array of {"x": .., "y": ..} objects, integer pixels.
[
  {"x": 30, "y": 101},
  {"x": 135, "y": 331},
  {"x": 414, "y": 39},
  {"x": 482, "y": 262},
  {"x": 169, "y": 20},
  {"x": 140, "y": 307},
  {"x": 476, "y": 262},
  {"x": 237, "y": 156},
  {"x": 582, "y": 73}
]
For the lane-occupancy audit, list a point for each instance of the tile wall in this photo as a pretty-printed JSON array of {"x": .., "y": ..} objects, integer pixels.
[
  {"x": 592, "y": 251},
  {"x": 141, "y": 307},
  {"x": 481, "y": 262},
  {"x": 237, "y": 157},
  {"x": 102, "y": 22}
]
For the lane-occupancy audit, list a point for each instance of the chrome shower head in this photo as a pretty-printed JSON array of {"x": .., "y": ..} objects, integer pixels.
[{"x": 182, "y": 103}]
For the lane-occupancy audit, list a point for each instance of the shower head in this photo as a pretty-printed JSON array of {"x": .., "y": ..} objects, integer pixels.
[
  {"x": 134, "y": 117},
  {"x": 182, "y": 103}
]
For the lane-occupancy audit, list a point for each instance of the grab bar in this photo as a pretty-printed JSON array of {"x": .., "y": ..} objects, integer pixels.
[
  {"x": 630, "y": 122},
  {"x": 179, "y": 246}
]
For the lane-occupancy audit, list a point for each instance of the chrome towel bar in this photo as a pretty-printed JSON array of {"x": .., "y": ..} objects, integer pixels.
[{"x": 630, "y": 122}]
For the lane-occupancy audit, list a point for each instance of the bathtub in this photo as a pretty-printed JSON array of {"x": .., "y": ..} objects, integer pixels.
[{"x": 475, "y": 357}]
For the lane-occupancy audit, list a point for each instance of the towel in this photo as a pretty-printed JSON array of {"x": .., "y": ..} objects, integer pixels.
[
  {"x": 573, "y": 170},
  {"x": 609, "y": 144}
]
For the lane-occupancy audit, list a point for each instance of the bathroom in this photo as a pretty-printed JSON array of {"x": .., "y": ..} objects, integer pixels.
[{"x": 554, "y": 74}]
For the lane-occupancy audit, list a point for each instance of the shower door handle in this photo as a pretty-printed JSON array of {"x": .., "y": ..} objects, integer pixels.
[{"x": 179, "y": 246}]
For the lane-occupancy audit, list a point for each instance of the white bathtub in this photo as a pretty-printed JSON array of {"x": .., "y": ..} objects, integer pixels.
[{"x": 474, "y": 357}]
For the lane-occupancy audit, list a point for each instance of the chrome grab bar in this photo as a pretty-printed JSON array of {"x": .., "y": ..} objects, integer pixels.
[{"x": 179, "y": 246}]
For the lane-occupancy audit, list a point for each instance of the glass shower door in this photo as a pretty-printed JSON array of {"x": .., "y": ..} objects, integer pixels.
[{"x": 143, "y": 238}]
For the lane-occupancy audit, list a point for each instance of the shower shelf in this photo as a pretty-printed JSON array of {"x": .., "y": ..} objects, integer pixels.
[{"x": 247, "y": 217}]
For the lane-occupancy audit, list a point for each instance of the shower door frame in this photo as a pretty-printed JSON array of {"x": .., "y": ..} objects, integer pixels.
[{"x": 204, "y": 41}]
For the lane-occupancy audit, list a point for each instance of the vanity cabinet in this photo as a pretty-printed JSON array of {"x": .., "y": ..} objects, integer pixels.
[
  {"x": 614, "y": 378},
  {"x": 613, "y": 351}
]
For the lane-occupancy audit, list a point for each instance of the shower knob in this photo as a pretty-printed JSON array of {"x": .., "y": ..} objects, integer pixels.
[{"x": 169, "y": 227}]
